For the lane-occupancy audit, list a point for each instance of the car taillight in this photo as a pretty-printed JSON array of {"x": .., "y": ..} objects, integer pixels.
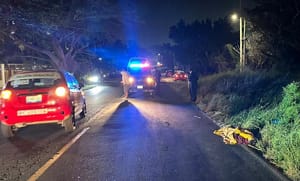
[
  {"x": 185, "y": 76},
  {"x": 60, "y": 91},
  {"x": 131, "y": 80},
  {"x": 6, "y": 94},
  {"x": 149, "y": 80}
]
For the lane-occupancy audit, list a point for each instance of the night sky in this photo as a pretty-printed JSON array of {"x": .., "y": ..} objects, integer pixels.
[{"x": 156, "y": 16}]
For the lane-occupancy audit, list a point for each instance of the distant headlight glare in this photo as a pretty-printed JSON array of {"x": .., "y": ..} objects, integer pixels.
[{"x": 93, "y": 79}]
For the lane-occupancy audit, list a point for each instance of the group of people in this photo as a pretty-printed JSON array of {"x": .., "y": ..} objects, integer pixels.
[{"x": 192, "y": 83}]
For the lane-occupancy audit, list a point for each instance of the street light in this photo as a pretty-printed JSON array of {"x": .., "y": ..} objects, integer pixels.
[
  {"x": 158, "y": 57},
  {"x": 234, "y": 17},
  {"x": 242, "y": 27}
]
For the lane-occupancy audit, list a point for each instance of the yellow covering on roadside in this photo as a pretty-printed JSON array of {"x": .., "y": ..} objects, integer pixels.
[{"x": 234, "y": 136}]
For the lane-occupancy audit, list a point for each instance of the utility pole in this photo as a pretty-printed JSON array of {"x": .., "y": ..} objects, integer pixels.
[{"x": 242, "y": 38}]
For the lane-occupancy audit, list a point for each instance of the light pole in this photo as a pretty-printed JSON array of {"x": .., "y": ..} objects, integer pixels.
[
  {"x": 242, "y": 32},
  {"x": 158, "y": 57}
]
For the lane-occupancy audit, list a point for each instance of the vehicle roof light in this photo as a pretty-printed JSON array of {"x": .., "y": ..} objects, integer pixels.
[{"x": 139, "y": 65}]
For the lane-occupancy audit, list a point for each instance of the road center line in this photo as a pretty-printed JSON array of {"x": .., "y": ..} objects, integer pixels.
[{"x": 50, "y": 162}]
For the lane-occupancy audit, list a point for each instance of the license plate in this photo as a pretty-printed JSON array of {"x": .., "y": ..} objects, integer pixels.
[
  {"x": 32, "y": 112},
  {"x": 140, "y": 87},
  {"x": 34, "y": 99}
]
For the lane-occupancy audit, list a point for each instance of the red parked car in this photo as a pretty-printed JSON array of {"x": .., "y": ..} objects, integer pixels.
[
  {"x": 168, "y": 73},
  {"x": 180, "y": 75},
  {"x": 40, "y": 97}
]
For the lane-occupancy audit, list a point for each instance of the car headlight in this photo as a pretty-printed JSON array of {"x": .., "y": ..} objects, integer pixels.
[
  {"x": 93, "y": 78},
  {"x": 131, "y": 80},
  {"x": 149, "y": 80}
]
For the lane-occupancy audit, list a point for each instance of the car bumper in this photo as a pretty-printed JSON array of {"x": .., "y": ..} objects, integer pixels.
[
  {"x": 144, "y": 88},
  {"x": 21, "y": 118},
  {"x": 183, "y": 79}
]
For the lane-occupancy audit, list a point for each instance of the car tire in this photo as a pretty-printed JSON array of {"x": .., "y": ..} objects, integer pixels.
[
  {"x": 82, "y": 113},
  {"x": 68, "y": 124},
  {"x": 7, "y": 131}
]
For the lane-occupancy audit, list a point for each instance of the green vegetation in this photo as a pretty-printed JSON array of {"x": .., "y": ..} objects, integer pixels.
[{"x": 266, "y": 103}]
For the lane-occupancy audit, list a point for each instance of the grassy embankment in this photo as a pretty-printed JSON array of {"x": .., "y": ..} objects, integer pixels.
[{"x": 267, "y": 104}]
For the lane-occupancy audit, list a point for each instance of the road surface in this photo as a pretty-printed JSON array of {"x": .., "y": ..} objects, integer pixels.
[{"x": 142, "y": 138}]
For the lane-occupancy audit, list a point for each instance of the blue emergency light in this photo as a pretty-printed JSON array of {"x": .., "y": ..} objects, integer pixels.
[{"x": 139, "y": 65}]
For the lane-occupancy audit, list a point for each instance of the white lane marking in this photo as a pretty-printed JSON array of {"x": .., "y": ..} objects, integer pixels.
[
  {"x": 197, "y": 117},
  {"x": 50, "y": 162}
]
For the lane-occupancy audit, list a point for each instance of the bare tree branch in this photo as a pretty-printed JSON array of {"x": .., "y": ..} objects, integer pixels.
[
  {"x": 37, "y": 49},
  {"x": 57, "y": 48}
]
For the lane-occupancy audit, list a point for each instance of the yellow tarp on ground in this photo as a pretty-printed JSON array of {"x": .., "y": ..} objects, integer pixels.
[{"x": 234, "y": 136}]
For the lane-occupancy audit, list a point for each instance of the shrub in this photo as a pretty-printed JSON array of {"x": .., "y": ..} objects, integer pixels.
[
  {"x": 289, "y": 108},
  {"x": 279, "y": 127},
  {"x": 281, "y": 146},
  {"x": 238, "y": 103},
  {"x": 243, "y": 90}
]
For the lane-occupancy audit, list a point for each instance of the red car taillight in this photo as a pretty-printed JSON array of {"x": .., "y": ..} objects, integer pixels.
[
  {"x": 6, "y": 94},
  {"x": 61, "y": 92}
]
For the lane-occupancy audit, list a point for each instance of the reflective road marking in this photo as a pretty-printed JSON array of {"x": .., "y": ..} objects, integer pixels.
[{"x": 50, "y": 162}]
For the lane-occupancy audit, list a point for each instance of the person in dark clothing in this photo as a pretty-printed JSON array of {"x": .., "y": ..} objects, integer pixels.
[
  {"x": 193, "y": 84},
  {"x": 157, "y": 79}
]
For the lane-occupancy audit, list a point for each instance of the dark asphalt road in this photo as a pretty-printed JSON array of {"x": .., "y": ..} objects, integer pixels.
[
  {"x": 155, "y": 139},
  {"x": 144, "y": 138}
]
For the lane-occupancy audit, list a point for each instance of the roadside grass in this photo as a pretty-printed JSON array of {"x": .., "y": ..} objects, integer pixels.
[{"x": 267, "y": 104}]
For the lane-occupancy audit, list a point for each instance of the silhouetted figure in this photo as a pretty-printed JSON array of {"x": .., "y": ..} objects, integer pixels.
[
  {"x": 125, "y": 82},
  {"x": 157, "y": 79},
  {"x": 193, "y": 84}
]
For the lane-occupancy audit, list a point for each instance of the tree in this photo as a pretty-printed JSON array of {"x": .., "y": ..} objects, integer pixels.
[
  {"x": 258, "y": 51},
  {"x": 197, "y": 43},
  {"x": 277, "y": 23},
  {"x": 166, "y": 54},
  {"x": 60, "y": 30},
  {"x": 7, "y": 48}
]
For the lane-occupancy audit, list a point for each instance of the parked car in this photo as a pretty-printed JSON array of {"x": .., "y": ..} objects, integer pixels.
[
  {"x": 168, "y": 73},
  {"x": 180, "y": 75},
  {"x": 40, "y": 97}
]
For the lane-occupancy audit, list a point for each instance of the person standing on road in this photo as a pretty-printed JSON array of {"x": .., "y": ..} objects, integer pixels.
[
  {"x": 125, "y": 82},
  {"x": 157, "y": 75},
  {"x": 193, "y": 84}
]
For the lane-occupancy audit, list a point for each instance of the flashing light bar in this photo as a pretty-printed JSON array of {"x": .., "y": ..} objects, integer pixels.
[{"x": 139, "y": 65}]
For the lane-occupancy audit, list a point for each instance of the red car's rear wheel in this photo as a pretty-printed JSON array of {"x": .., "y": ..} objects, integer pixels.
[
  {"x": 68, "y": 124},
  {"x": 7, "y": 130}
]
